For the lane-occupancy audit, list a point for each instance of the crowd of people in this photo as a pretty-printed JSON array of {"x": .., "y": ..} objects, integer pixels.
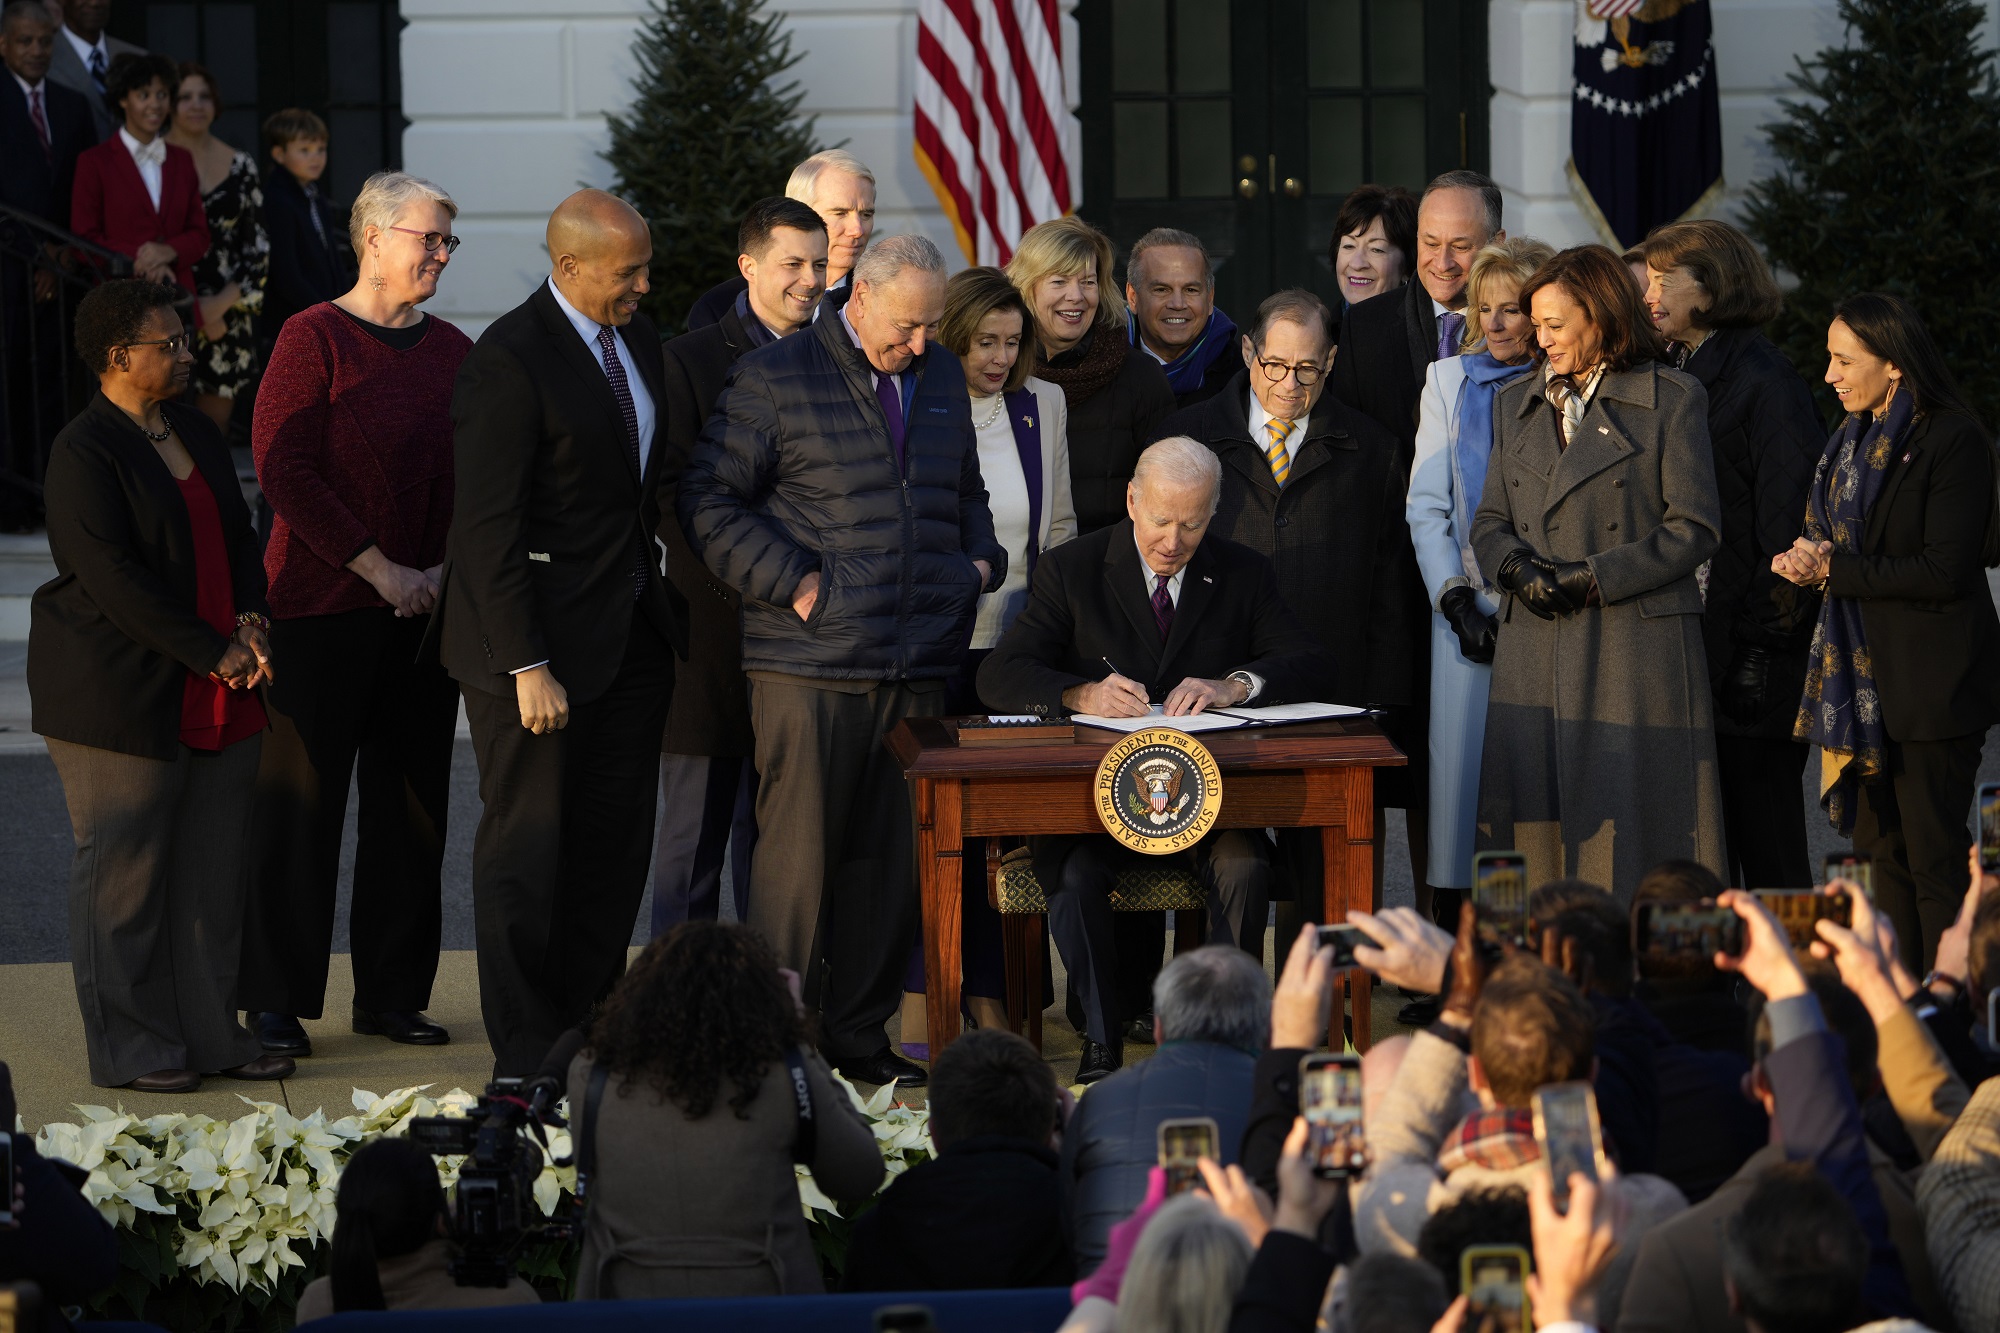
[{"x": 1566, "y": 521}]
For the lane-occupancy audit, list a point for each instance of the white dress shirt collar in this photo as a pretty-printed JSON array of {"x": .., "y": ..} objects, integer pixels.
[
  {"x": 1173, "y": 582},
  {"x": 31, "y": 88},
  {"x": 1259, "y": 419},
  {"x": 874, "y": 375},
  {"x": 150, "y": 159},
  {"x": 83, "y": 48},
  {"x": 642, "y": 400}
]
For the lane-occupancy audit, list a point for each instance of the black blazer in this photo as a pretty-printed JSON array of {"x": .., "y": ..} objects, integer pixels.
[
  {"x": 547, "y": 512},
  {"x": 1387, "y": 344},
  {"x": 1089, "y": 603},
  {"x": 1921, "y": 581},
  {"x": 304, "y": 270},
  {"x": 710, "y": 714},
  {"x": 30, "y": 180},
  {"x": 114, "y": 634}
]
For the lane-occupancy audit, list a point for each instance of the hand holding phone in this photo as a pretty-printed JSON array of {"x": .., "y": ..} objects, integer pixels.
[
  {"x": 1500, "y": 892},
  {"x": 1343, "y": 939},
  {"x": 1330, "y": 1102},
  {"x": 1567, "y": 1132},
  {"x": 1677, "y": 941},
  {"x": 1856, "y": 868},
  {"x": 1988, "y": 811},
  {"x": 1182, "y": 1145},
  {"x": 1799, "y": 911},
  {"x": 1767, "y": 962},
  {"x": 1494, "y": 1281}
]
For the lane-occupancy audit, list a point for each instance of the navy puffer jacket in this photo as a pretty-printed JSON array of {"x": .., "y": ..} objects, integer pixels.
[{"x": 794, "y": 473}]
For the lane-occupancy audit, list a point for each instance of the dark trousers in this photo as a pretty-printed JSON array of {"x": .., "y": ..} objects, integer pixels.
[
  {"x": 1234, "y": 864},
  {"x": 1763, "y": 819},
  {"x": 559, "y": 864},
  {"x": 155, "y": 904},
  {"x": 709, "y": 812},
  {"x": 1915, "y": 826},
  {"x": 350, "y": 699},
  {"x": 833, "y": 885}
]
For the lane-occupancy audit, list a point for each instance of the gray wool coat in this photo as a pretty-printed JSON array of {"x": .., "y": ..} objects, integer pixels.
[{"x": 1600, "y": 747}]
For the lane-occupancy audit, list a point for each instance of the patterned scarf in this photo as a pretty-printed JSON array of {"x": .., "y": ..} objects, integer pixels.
[
  {"x": 1840, "y": 711},
  {"x": 1087, "y": 367},
  {"x": 1498, "y": 1140},
  {"x": 1472, "y": 447},
  {"x": 1186, "y": 371}
]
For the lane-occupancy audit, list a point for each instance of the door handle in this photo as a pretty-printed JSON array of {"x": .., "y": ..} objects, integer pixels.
[
  {"x": 1247, "y": 188},
  {"x": 1294, "y": 187}
]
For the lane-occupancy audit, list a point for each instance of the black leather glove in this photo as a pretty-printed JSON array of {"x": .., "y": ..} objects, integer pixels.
[
  {"x": 1532, "y": 580},
  {"x": 1578, "y": 584},
  {"x": 1745, "y": 692},
  {"x": 1475, "y": 629}
]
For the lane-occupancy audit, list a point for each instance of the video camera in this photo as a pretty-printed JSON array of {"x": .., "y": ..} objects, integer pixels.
[{"x": 501, "y": 1139}]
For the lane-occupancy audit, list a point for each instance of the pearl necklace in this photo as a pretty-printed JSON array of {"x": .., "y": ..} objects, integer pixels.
[
  {"x": 999, "y": 406},
  {"x": 166, "y": 429}
]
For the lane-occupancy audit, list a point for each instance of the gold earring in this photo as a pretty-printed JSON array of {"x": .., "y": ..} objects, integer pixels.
[{"x": 378, "y": 282}]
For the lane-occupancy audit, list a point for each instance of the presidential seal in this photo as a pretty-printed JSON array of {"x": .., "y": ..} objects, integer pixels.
[{"x": 1158, "y": 791}]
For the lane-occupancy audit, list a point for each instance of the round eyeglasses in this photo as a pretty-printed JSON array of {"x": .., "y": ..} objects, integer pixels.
[
  {"x": 1275, "y": 371},
  {"x": 430, "y": 240}
]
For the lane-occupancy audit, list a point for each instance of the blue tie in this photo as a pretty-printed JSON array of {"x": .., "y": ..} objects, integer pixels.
[
  {"x": 891, "y": 399},
  {"x": 1450, "y": 325},
  {"x": 621, "y": 389}
]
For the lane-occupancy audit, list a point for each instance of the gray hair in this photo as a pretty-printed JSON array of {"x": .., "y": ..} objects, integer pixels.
[
  {"x": 1480, "y": 184},
  {"x": 1185, "y": 1271},
  {"x": 1215, "y": 993},
  {"x": 1296, "y": 305},
  {"x": 1165, "y": 238},
  {"x": 382, "y": 200},
  {"x": 1181, "y": 461},
  {"x": 888, "y": 258},
  {"x": 17, "y": 10},
  {"x": 805, "y": 176}
]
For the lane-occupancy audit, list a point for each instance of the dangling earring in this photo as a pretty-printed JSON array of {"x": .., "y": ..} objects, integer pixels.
[
  {"x": 378, "y": 282},
  {"x": 1893, "y": 386}
]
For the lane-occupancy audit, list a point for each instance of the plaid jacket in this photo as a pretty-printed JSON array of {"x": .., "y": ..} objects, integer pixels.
[{"x": 1959, "y": 1193}]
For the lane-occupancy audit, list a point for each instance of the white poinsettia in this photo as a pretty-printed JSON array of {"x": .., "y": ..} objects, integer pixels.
[{"x": 902, "y": 1136}]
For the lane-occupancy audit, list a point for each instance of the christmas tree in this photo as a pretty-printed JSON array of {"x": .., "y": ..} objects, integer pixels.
[
  {"x": 1890, "y": 181},
  {"x": 708, "y": 134}
]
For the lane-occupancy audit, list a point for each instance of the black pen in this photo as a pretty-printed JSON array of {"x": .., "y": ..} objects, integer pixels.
[{"x": 1114, "y": 670}]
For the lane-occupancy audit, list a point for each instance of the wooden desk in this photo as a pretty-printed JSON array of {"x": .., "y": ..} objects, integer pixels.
[{"x": 1313, "y": 775}]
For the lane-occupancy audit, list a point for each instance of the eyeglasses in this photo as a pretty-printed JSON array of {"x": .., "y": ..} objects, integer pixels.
[
  {"x": 431, "y": 240},
  {"x": 1275, "y": 371},
  {"x": 173, "y": 344}
]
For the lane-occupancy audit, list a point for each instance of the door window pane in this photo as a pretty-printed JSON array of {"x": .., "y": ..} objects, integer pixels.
[
  {"x": 356, "y": 72},
  {"x": 1139, "y": 46},
  {"x": 1395, "y": 44},
  {"x": 229, "y": 34},
  {"x": 173, "y": 31},
  {"x": 1201, "y": 46},
  {"x": 1333, "y": 38},
  {"x": 1399, "y": 141},
  {"x": 1204, "y": 149},
  {"x": 1334, "y": 125},
  {"x": 1139, "y": 141}
]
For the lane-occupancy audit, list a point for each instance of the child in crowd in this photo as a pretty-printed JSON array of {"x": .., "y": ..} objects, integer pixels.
[{"x": 310, "y": 253}]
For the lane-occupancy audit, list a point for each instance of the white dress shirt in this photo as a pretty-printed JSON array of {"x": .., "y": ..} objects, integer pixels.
[
  {"x": 150, "y": 158},
  {"x": 83, "y": 49},
  {"x": 1260, "y": 437},
  {"x": 29, "y": 89},
  {"x": 642, "y": 401}
]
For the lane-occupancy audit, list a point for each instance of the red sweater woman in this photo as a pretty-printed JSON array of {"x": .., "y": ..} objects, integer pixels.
[
  {"x": 135, "y": 192},
  {"x": 353, "y": 445}
]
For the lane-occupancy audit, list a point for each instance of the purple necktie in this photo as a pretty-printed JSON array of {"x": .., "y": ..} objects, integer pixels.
[
  {"x": 891, "y": 399},
  {"x": 614, "y": 370},
  {"x": 1163, "y": 605},
  {"x": 41, "y": 120},
  {"x": 1450, "y": 325}
]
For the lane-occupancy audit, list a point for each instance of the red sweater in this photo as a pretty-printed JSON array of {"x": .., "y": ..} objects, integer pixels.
[{"x": 353, "y": 443}]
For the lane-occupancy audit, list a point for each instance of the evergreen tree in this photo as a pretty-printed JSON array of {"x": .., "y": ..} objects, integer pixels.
[
  {"x": 1890, "y": 181},
  {"x": 707, "y": 134}
]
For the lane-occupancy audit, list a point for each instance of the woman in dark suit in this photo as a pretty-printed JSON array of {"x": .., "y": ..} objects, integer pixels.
[
  {"x": 1709, "y": 293},
  {"x": 144, "y": 654},
  {"x": 1900, "y": 684},
  {"x": 135, "y": 192},
  {"x": 1599, "y": 506}
]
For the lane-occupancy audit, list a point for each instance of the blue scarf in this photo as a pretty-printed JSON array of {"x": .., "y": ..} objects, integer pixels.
[
  {"x": 1840, "y": 711},
  {"x": 1186, "y": 371},
  {"x": 1472, "y": 445}
]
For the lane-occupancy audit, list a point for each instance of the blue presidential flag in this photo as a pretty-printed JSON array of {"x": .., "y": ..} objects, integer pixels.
[{"x": 1646, "y": 127}]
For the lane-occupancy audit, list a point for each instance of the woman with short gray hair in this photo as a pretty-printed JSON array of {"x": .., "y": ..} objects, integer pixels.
[{"x": 353, "y": 445}]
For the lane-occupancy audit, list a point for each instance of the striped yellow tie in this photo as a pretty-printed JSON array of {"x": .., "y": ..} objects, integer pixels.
[{"x": 1274, "y": 452}]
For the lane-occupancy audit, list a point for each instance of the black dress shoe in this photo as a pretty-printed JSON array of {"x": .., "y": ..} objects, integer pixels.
[
  {"x": 263, "y": 1068},
  {"x": 1099, "y": 1060},
  {"x": 885, "y": 1066},
  {"x": 404, "y": 1025},
  {"x": 279, "y": 1034},
  {"x": 166, "y": 1080},
  {"x": 1140, "y": 1028},
  {"x": 1420, "y": 1012}
]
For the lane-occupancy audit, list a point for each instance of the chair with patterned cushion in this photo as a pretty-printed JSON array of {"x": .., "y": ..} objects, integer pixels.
[{"x": 1014, "y": 891}]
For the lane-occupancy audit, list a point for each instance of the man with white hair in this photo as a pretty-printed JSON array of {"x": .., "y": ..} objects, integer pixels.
[
  {"x": 841, "y": 189},
  {"x": 836, "y": 487},
  {"x": 1139, "y": 614}
]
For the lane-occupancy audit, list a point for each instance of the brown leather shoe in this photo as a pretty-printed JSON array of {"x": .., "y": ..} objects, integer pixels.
[
  {"x": 264, "y": 1067},
  {"x": 166, "y": 1080}
]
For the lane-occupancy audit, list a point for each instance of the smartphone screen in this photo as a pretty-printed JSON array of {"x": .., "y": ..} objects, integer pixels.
[
  {"x": 1992, "y": 1012},
  {"x": 1500, "y": 892},
  {"x": 1854, "y": 867},
  {"x": 1330, "y": 1100},
  {"x": 1342, "y": 939},
  {"x": 1567, "y": 1131},
  {"x": 1494, "y": 1279},
  {"x": 7, "y": 1174},
  {"x": 1678, "y": 940},
  {"x": 1797, "y": 910},
  {"x": 1989, "y": 827},
  {"x": 1183, "y": 1143}
]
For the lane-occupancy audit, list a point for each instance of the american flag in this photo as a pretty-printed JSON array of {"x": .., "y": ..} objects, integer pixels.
[
  {"x": 994, "y": 135},
  {"x": 1615, "y": 9}
]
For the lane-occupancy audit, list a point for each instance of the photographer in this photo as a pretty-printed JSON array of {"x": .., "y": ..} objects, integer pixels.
[
  {"x": 704, "y": 1057},
  {"x": 55, "y": 1239},
  {"x": 390, "y": 1241}
]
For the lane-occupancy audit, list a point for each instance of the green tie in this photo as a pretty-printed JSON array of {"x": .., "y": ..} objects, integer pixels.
[{"x": 1274, "y": 452}]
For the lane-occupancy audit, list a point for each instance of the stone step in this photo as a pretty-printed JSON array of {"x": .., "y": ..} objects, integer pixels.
[{"x": 25, "y": 565}]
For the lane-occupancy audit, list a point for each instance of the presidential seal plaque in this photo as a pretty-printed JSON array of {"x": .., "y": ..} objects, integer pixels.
[{"x": 1158, "y": 791}]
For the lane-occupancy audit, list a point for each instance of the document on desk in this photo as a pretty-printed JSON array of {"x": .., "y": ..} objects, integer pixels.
[
  {"x": 1279, "y": 714},
  {"x": 1157, "y": 717}
]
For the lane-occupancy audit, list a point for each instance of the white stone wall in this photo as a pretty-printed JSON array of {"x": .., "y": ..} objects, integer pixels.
[{"x": 1532, "y": 51}]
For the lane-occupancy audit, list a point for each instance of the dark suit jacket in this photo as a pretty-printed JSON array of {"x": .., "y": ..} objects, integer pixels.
[
  {"x": 66, "y": 69},
  {"x": 711, "y": 305},
  {"x": 1336, "y": 533},
  {"x": 1921, "y": 581},
  {"x": 31, "y": 180},
  {"x": 304, "y": 271},
  {"x": 543, "y": 470},
  {"x": 984, "y": 1214},
  {"x": 1089, "y": 603},
  {"x": 115, "y": 633},
  {"x": 711, "y": 708},
  {"x": 110, "y": 206}
]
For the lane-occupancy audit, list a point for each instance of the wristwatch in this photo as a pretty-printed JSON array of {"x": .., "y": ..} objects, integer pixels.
[{"x": 1247, "y": 681}]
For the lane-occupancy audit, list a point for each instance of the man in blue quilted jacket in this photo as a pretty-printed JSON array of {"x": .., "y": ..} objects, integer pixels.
[{"x": 837, "y": 489}]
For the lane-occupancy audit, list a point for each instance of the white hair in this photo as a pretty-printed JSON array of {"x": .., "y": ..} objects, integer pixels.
[
  {"x": 1179, "y": 461},
  {"x": 1215, "y": 993},
  {"x": 805, "y": 176},
  {"x": 888, "y": 258},
  {"x": 382, "y": 200}
]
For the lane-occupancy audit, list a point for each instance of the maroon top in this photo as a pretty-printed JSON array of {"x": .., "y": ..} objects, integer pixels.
[
  {"x": 213, "y": 716},
  {"x": 110, "y": 205},
  {"x": 353, "y": 447}
]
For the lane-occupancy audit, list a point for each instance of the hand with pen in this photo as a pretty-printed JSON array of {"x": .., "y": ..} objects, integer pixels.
[{"x": 1117, "y": 695}]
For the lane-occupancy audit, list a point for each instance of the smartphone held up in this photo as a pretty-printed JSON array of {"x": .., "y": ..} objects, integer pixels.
[
  {"x": 1182, "y": 1144},
  {"x": 1675, "y": 941},
  {"x": 1799, "y": 911},
  {"x": 1330, "y": 1101},
  {"x": 1569, "y": 1136},
  {"x": 1500, "y": 892},
  {"x": 1988, "y": 820},
  {"x": 1494, "y": 1280}
]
